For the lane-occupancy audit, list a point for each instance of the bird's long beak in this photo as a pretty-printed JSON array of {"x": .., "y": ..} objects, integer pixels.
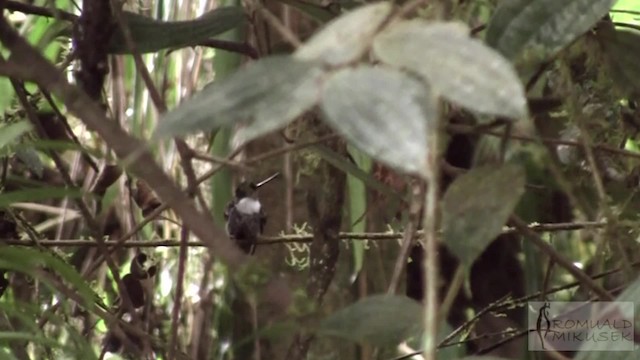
[{"x": 267, "y": 179}]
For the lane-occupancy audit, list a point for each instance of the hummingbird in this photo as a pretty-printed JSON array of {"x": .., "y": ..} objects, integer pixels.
[{"x": 245, "y": 216}]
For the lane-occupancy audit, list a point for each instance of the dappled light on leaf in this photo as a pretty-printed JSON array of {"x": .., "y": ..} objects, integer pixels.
[
  {"x": 384, "y": 112},
  {"x": 543, "y": 27},
  {"x": 266, "y": 95},
  {"x": 346, "y": 38},
  {"x": 151, "y": 35},
  {"x": 459, "y": 68}
]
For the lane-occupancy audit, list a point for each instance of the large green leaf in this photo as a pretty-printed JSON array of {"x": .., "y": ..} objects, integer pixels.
[
  {"x": 151, "y": 35},
  {"x": 379, "y": 320},
  {"x": 542, "y": 27},
  {"x": 477, "y": 205},
  {"x": 26, "y": 259},
  {"x": 266, "y": 95},
  {"x": 384, "y": 112},
  {"x": 346, "y": 38},
  {"x": 461, "y": 69}
]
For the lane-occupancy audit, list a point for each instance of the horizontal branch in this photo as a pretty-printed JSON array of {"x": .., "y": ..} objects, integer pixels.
[
  {"x": 470, "y": 129},
  {"x": 270, "y": 240}
]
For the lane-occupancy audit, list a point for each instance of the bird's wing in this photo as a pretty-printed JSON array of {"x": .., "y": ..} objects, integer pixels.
[
  {"x": 263, "y": 220},
  {"x": 227, "y": 209}
]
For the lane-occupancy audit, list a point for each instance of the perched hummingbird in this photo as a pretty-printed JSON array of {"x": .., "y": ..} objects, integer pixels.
[{"x": 244, "y": 215}]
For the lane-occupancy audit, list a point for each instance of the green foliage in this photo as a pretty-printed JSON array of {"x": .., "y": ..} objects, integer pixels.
[
  {"x": 37, "y": 194},
  {"x": 270, "y": 93},
  {"x": 9, "y": 133},
  {"x": 6, "y": 89},
  {"x": 476, "y": 206},
  {"x": 30, "y": 260},
  {"x": 383, "y": 83},
  {"x": 379, "y": 319},
  {"x": 151, "y": 35},
  {"x": 460, "y": 69},
  {"x": 358, "y": 205},
  {"x": 623, "y": 47},
  {"x": 352, "y": 31},
  {"x": 541, "y": 28}
]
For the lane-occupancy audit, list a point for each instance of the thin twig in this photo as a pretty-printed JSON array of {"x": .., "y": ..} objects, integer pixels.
[
  {"x": 286, "y": 33},
  {"x": 177, "y": 302},
  {"x": 408, "y": 235},
  {"x": 470, "y": 129},
  {"x": 270, "y": 240},
  {"x": 560, "y": 260}
]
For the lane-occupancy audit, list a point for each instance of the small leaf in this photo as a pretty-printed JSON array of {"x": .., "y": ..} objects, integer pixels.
[
  {"x": 346, "y": 38},
  {"x": 462, "y": 70},
  {"x": 39, "y": 194},
  {"x": 544, "y": 26},
  {"x": 150, "y": 35},
  {"x": 477, "y": 205},
  {"x": 11, "y": 132},
  {"x": 266, "y": 95},
  {"x": 31, "y": 159},
  {"x": 384, "y": 112},
  {"x": 379, "y": 320}
]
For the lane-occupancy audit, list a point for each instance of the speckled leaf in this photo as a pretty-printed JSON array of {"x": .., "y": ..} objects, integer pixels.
[
  {"x": 346, "y": 38},
  {"x": 461, "y": 69},
  {"x": 379, "y": 320},
  {"x": 151, "y": 35},
  {"x": 623, "y": 51},
  {"x": 265, "y": 95},
  {"x": 384, "y": 112},
  {"x": 542, "y": 27},
  {"x": 477, "y": 205}
]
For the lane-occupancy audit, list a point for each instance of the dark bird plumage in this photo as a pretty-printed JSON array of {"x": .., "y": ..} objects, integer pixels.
[{"x": 245, "y": 216}]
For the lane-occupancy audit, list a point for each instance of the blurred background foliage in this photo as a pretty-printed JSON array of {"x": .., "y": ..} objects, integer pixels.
[{"x": 56, "y": 296}]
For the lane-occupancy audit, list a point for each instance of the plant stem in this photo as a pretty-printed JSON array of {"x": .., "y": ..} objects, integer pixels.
[{"x": 431, "y": 246}]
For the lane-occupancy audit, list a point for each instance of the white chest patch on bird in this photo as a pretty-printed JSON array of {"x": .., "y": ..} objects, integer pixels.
[{"x": 248, "y": 206}]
